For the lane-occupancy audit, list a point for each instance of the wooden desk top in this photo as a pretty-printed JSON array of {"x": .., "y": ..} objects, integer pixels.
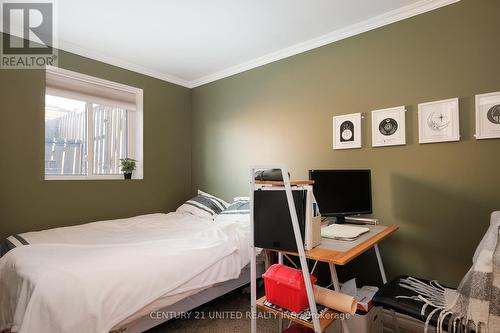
[{"x": 341, "y": 258}]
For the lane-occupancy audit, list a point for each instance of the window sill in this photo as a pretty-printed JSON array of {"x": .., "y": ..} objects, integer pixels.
[{"x": 94, "y": 177}]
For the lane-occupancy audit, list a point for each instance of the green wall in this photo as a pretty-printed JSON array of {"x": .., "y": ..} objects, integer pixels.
[
  {"x": 29, "y": 203},
  {"x": 439, "y": 194}
]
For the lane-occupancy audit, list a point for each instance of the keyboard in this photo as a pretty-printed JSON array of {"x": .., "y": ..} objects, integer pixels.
[{"x": 343, "y": 232}]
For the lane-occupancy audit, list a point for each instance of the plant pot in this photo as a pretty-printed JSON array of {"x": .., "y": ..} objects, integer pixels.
[{"x": 127, "y": 175}]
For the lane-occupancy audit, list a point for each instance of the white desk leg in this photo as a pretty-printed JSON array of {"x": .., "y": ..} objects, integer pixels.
[
  {"x": 336, "y": 286},
  {"x": 380, "y": 264},
  {"x": 335, "y": 279}
]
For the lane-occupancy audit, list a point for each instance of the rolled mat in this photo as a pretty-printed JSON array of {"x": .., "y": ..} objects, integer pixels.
[{"x": 334, "y": 300}]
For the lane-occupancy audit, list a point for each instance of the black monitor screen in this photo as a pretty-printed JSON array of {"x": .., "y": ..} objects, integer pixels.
[{"x": 342, "y": 192}]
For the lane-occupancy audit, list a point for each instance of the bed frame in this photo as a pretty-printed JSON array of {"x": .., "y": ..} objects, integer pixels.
[{"x": 194, "y": 301}]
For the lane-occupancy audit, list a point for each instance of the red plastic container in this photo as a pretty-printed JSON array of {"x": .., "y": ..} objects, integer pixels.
[{"x": 285, "y": 287}]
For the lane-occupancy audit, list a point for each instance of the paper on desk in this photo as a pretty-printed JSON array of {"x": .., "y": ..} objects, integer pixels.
[
  {"x": 362, "y": 295},
  {"x": 341, "y": 231}
]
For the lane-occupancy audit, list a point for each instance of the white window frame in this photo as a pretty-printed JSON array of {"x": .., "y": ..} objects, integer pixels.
[{"x": 135, "y": 121}]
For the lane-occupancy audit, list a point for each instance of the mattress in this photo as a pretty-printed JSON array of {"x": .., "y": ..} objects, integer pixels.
[
  {"x": 208, "y": 276},
  {"x": 217, "y": 252},
  {"x": 146, "y": 318}
]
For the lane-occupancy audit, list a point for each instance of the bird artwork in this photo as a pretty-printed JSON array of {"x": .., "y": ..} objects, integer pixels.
[{"x": 437, "y": 121}]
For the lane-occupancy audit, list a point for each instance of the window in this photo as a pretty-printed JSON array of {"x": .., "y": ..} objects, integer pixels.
[
  {"x": 90, "y": 124},
  {"x": 65, "y": 136}
]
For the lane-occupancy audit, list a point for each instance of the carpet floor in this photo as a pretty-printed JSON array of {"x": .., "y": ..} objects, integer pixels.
[{"x": 226, "y": 314}]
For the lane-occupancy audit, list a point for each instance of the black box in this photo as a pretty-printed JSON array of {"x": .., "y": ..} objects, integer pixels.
[{"x": 272, "y": 222}]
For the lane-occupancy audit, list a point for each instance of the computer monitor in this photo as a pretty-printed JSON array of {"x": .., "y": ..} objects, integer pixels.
[{"x": 342, "y": 193}]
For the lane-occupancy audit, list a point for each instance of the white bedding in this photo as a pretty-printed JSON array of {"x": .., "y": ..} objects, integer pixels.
[{"x": 91, "y": 277}]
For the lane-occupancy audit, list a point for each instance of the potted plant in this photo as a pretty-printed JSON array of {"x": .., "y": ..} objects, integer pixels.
[{"x": 127, "y": 166}]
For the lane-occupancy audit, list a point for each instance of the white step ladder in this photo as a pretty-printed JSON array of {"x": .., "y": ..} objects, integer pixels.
[{"x": 300, "y": 249}]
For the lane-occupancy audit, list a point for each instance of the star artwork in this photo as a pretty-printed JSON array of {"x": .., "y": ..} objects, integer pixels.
[{"x": 437, "y": 122}]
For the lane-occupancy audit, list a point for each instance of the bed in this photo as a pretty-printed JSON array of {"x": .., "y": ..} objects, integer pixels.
[{"x": 125, "y": 275}]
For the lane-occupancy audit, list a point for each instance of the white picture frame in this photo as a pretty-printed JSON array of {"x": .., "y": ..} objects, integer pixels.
[
  {"x": 439, "y": 121},
  {"x": 488, "y": 116},
  {"x": 389, "y": 127},
  {"x": 347, "y": 131}
]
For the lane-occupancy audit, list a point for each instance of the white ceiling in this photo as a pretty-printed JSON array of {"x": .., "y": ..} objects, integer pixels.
[{"x": 192, "y": 42}]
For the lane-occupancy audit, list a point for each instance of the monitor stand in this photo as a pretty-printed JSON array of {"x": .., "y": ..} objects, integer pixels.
[{"x": 340, "y": 219}]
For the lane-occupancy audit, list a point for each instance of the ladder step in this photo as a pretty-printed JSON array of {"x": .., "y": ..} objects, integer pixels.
[{"x": 325, "y": 320}]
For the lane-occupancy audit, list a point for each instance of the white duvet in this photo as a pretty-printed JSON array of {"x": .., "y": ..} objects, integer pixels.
[{"x": 89, "y": 278}]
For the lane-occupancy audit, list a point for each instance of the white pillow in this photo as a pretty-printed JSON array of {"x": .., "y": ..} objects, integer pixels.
[
  {"x": 203, "y": 205},
  {"x": 241, "y": 199}
]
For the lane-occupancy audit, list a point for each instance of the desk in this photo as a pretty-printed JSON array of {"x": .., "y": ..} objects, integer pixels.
[
  {"x": 336, "y": 252},
  {"x": 328, "y": 251},
  {"x": 339, "y": 252}
]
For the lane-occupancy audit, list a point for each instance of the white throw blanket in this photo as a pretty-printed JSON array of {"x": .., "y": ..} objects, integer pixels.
[
  {"x": 475, "y": 305},
  {"x": 91, "y": 286}
]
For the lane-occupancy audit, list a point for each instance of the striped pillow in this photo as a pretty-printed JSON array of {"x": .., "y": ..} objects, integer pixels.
[
  {"x": 10, "y": 243},
  {"x": 203, "y": 205}
]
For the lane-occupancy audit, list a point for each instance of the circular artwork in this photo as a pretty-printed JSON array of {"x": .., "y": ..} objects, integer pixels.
[
  {"x": 347, "y": 131},
  {"x": 494, "y": 114},
  {"x": 388, "y": 126},
  {"x": 347, "y": 134}
]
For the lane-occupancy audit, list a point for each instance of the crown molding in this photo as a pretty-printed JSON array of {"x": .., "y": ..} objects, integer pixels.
[
  {"x": 73, "y": 48},
  {"x": 114, "y": 61},
  {"x": 337, "y": 35},
  {"x": 390, "y": 17}
]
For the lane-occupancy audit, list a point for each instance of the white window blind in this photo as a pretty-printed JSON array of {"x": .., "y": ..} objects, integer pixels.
[{"x": 62, "y": 84}]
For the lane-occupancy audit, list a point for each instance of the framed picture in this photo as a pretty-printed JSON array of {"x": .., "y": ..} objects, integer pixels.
[
  {"x": 439, "y": 121},
  {"x": 488, "y": 116},
  {"x": 347, "y": 131},
  {"x": 389, "y": 127}
]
